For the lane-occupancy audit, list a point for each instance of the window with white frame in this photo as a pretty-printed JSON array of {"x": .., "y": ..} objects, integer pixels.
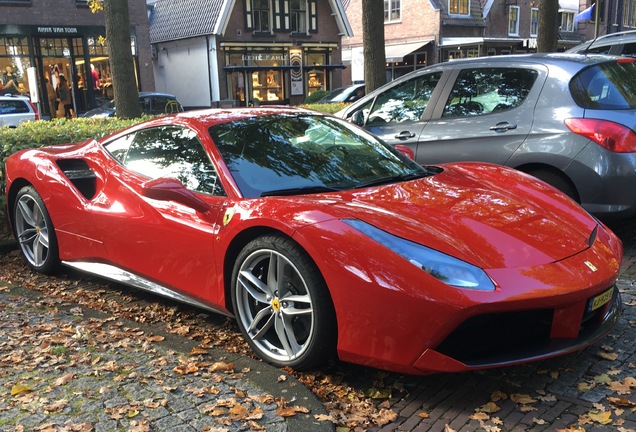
[
  {"x": 513, "y": 21},
  {"x": 567, "y": 22},
  {"x": 392, "y": 10},
  {"x": 258, "y": 15},
  {"x": 534, "y": 22},
  {"x": 459, "y": 7},
  {"x": 632, "y": 14}
]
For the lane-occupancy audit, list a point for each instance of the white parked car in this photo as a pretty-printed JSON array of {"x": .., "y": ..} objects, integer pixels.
[{"x": 15, "y": 110}]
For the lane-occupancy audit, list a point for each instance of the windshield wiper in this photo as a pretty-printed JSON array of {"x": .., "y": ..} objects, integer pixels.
[
  {"x": 300, "y": 190},
  {"x": 391, "y": 179}
]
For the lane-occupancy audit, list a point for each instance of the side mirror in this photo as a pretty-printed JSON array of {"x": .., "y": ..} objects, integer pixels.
[
  {"x": 357, "y": 118},
  {"x": 406, "y": 151},
  {"x": 169, "y": 189}
]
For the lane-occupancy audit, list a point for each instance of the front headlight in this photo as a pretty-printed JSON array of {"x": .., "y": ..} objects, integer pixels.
[{"x": 447, "y": 269}]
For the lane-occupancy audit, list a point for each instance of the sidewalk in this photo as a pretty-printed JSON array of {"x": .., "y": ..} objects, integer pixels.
[{"x": 67, "y": 367}]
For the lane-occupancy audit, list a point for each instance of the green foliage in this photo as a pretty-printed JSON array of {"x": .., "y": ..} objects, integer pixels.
[
  {"x": 330, "y": 108},
  {"x": 58, "y": 131},
  {"x": 315, "y": 96}
]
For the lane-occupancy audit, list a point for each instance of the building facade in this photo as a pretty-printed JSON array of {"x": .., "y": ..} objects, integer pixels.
[
  {"x": 43, "y": 39},
  {"x": 246, "y": 52},
  {"x": 421, "y": 32}
]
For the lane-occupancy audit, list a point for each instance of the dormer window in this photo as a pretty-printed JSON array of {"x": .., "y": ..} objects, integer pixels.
[
  {"x": 258, "y": 15},
  {"x": 459, "y": 7},
  {"x": 298, "y": 16}
]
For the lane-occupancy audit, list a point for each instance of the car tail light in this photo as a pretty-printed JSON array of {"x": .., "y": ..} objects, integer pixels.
[
  {"x": 35, "y": 110},
  {"x": 613, "y": 136}
]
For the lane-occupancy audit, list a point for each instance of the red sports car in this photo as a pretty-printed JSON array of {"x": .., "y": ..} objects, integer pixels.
[{"x": 323, "y": 241}]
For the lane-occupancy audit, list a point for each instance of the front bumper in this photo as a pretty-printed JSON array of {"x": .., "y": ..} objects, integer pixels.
[{"x": 493, "y": 340}]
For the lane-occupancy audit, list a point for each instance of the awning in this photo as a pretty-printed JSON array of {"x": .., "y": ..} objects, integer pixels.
[
  {"x": 467, "y": 41},
  {"x": 460, "y": 41},
  {"x": 396, "y": 53},
  {"x": 569, "y": 5}
]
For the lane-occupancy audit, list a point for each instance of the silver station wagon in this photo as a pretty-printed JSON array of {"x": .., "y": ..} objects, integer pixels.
[{"x": 567, "y": 119}]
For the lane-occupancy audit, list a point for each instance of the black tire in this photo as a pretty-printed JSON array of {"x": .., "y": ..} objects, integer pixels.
[
  {"x": 559, "y": 181},
  {"x": 34, "y": 231},
  {"x": 288, "y": 320}
]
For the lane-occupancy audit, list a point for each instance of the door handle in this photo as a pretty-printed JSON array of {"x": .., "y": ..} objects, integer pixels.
[
  {"x": 404, "y": 135},
  {"x": 503, "y": 127}
]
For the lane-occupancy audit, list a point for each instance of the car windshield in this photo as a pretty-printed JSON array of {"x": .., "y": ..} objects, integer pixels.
[
  {"x": 298, "y": 154},
  {"x": 338, "y": 95},
  {"x": 607, "y": 86}
]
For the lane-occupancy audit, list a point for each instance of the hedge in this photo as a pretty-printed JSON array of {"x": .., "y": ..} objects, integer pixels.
[{"x": 63, "y": 131}]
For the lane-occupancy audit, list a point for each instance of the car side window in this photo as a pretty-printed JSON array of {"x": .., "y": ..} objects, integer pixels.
[
  {"x": 629, "y": 50},
  {"x": 13, "y": 107},
  {"x": 403, "y": 102},
  {"x": 168, "y": 151},
  {"x": 488, "y": 90}
]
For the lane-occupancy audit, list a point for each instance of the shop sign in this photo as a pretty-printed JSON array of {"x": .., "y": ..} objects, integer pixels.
[
  {"x": 264, "y": 57},
  {"x": 57, "y": 30},
  {"x": 296, "y": 72}
]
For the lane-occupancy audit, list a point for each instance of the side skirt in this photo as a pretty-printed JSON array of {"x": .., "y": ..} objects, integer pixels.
[{"x": 122, "y": 276}]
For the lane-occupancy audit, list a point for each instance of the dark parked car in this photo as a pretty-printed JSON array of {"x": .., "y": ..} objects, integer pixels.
[
  {"x": 622, "y": 43},
  {"x": 567, "y": 119},
  {"x": 344, "y": 94},
  {"x": 151, "y": 103}
]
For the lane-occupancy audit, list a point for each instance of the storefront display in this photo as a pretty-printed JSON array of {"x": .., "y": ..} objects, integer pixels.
[
  {"x": 79, "y": 53},
  {"x": 262, "y": 75}
]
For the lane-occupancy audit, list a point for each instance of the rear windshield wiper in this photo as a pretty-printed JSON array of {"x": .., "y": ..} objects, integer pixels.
[
  {"x": 300, "y": 190},
  {"x": 391, "y": 179}
]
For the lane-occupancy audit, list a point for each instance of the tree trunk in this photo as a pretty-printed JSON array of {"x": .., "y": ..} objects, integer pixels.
[
  {"x": 547, "y": 37},
  {"x": 373, "y": 37},
  {"x": 122, "y": 68}
]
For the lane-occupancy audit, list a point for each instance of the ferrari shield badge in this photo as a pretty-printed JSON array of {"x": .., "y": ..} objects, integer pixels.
[{"x": 227, "y": 217}]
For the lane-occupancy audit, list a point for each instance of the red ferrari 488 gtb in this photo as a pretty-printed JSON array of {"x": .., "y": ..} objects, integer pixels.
[{"x": 323, "y": 241}]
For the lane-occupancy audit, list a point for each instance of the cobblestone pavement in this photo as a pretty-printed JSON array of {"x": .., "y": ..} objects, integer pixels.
[
  {"x": 130, "y": 383},
  {"x": 68, "y": 368}
]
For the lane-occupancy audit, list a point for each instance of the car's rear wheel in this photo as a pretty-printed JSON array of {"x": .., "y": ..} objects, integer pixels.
[
  {"x": 34, "y": 231},
  {"x": 557, "y": 180},
  {"x": 282, "y": 304}
]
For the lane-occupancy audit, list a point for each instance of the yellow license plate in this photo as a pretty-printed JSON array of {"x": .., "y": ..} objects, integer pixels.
[{"x": 602, "y": 299}]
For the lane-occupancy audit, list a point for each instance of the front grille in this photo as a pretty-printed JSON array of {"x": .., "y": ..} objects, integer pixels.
[{"x": 498, "y": 335}]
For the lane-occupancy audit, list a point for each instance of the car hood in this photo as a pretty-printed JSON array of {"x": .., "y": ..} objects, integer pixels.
[{"x": 487, "y": 215}]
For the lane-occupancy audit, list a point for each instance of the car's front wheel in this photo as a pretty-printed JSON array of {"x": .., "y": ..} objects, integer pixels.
[
  {"x": 34, "y": 231},
  {"x": 282, "y": 304}
]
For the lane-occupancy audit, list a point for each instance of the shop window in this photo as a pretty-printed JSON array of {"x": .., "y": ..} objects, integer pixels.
[
  {"x": 392, "y": 10},
  {"x": 315, "y": 81},
  {"x": 14, "y": 46},
  {"x": 258, "y": 15},
  {"x": 459, "y": 7},
  {"x": 513, "y": 21},
  {"x": 267, "y": 86}
]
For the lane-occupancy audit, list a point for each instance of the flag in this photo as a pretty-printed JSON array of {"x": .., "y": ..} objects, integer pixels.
[{"x": 586, "y": 15}]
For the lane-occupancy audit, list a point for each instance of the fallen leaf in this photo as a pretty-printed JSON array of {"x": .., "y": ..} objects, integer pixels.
[
  {"x": 601, "y": 417},
  {"x": 490, "y": 407},
  {"x": 522, "y": 398},
  {"x": 18, "y": 389}
]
